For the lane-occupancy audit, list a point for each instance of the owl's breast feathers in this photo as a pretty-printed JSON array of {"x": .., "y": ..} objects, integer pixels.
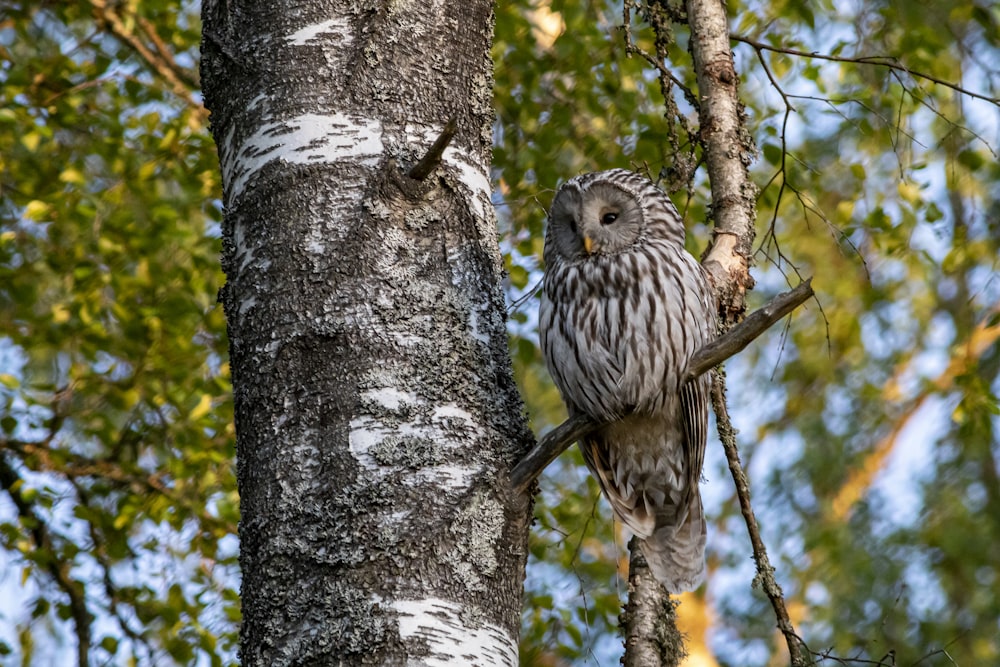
[{"x": 618, "y": 331}]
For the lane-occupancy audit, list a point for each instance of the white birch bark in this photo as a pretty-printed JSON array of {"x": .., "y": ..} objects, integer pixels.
[
  {"x": 728, "y": 153},
  {"x": 375, "y": 409}
]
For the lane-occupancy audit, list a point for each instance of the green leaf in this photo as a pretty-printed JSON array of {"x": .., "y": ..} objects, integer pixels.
[{"x": 772, "y": 153}]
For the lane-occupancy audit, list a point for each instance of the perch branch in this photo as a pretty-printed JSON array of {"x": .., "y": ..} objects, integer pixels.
[
  {"x": 765, "y": 572},
  {"x": 559, "y": 439},
  {"x": 432, "y": 159},
  {"x": 548, "y": 450},
  {"x": 744, "y": 333}
]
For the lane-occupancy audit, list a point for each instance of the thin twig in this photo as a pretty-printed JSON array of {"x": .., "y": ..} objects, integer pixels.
[
  {"x": 712, "y": 354},
  {"x": 727, "y": 434},
  {"x": 879, "y": 61},
  {"x": 99, "y": 552}
]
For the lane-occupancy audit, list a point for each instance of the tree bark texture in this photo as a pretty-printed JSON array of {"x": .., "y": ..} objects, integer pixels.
[
  {"x": 729, "y": 150},
  {"x": 649, "y": 620},
  {"x": 376, "y": 413}
]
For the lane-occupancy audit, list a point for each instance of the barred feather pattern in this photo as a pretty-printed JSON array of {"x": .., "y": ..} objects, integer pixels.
[{"x": 624, "y": 307}]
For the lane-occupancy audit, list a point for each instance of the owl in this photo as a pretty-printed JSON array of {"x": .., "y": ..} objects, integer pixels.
[{"x": 624, "y": 307}]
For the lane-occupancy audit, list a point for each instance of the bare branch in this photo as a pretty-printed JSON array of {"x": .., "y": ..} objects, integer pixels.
[
  {"x": 178, "y": 81},
  {"x": 43, "y": 456},
  {"x": 744, "y": 333},
  {"x": 432, "y": 159},
  {"x": 49, "y": 560},
  {"x": 727, "y": 434},
  {"x": 713, "y": 354},
  {"x": 879, "y": 61},
  {"x": 111, "y": 591},
  {"x": 548, "y": 450},
  {"x": 188, "y": 77}
]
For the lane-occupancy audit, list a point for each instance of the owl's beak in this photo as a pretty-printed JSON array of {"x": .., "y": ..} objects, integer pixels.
[{"x": 588, "y": 244}]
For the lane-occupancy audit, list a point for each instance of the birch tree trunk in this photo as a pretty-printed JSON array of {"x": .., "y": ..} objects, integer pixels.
[
  {"x": 376, "y": 413},
  {"x": 729, "y": 150}
]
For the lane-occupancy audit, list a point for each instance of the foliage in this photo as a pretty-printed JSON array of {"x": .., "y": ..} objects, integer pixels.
[
  {"x": 869, "y": 424},
  {"x": 116, "y": 414}
]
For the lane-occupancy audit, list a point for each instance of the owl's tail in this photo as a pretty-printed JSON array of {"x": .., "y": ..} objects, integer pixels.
[{"x": 676, "y": 554}]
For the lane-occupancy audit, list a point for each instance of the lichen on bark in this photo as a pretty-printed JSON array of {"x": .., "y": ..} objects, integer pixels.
[{"x": 375, "y": 406}]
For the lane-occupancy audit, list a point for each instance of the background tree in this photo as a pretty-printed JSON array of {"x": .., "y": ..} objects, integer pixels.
[{"x": 869, "y": 427}]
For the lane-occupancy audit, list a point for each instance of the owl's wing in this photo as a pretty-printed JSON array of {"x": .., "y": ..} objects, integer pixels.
[{"x": 694, "y": 414}]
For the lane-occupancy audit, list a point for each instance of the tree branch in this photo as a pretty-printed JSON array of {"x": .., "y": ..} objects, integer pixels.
[
  {"x": 733, "y": 341},
  {"x": 649, "y": 621},
  {"x": 736, "y": 339},
  {"x": 111, "y": 590},
  {"x": 47, "y": 559},
  {"x": 727, "y": 434},
  {"x": 42, "y": 456},
  {"x": 548, "y": 450},
  {"x": 432, "y": 159},
  {"x": 879, "y": 61},
  {"x": 161, "y": 62}
]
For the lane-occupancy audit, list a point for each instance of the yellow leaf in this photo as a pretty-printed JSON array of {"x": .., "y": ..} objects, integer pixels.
[
  {"x": 131, "y": 397},
  {"x": 36, "y": 210},
  {"x": 845, "y": 210},
  {"x": 200, "y": 410},
  {"x": 60, "y": 314},
  {"x": 958, "y": 415},
  {"x": 909, "y": 191},
  {"x": 142, "y": 271},
  {"x": 108, "y": 247},
  {"x": 547, "y": 26},
  {"x": 147, "y": 170},
  {"x": 168, "y": 138},
  {"x": 154, "y": 325},
  {"x": 31, "y": 140},
  {"x": 72, "y": 175},
  {"x": 9, "y": 381}
]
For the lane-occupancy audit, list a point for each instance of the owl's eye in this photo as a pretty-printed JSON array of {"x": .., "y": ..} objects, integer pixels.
[
  {"x": 572, "y": 225},
  {"x": 608, "y": 218}
]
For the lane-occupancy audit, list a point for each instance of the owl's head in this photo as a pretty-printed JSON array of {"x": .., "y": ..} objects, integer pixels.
[{"x": 607, "y": 213}]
